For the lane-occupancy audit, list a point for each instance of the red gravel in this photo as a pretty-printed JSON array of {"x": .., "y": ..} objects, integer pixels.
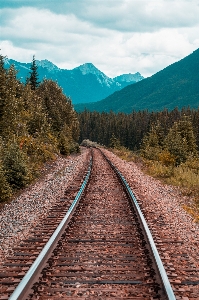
[
  {"x": 23, "y": 213},
  {"x": 102, "y": 253},
  {"x": 174, "y": 231}
]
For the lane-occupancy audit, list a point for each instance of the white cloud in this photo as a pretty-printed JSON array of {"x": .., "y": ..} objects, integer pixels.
[
  {"x": 17, "y": 53},
  {"x": 139, "y": 15},
  {"x": 41, "y": 25},
  {"x": 116, "y": 36}
]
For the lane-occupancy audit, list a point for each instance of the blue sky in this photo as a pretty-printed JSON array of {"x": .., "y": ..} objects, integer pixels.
[{"x": 117, "y": 36}]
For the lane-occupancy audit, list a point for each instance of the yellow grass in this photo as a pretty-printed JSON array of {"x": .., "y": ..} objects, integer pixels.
[{"x": 185, "y": 176}]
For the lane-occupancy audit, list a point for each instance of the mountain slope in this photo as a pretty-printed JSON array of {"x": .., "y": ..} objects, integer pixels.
[
  {"x": 175, "y": 86},
  {"x": 82, "y": 84}
]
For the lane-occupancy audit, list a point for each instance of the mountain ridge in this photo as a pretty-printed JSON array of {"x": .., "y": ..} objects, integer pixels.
[
  {"x": 174, "y": 86},
  {"x": 84, "y": 83}
]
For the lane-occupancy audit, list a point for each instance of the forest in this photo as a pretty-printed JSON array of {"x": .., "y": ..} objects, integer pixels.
[
  {"x": 164, "y": 143},
  {"x": 37, "y": 123},
  {"x": 130, "y": 129}
]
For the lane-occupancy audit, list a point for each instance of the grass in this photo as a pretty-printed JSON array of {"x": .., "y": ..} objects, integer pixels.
[
  {"x": 125, "y": 154},
  {"x": 184, "y": 176}
]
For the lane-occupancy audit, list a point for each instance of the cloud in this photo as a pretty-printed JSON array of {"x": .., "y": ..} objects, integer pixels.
[
  {"x": 40, "y": 25},
  {"x": 116, "y": 36},
  {"x": 140, "y": 16},
  {"x": 123, "y": 15},
  {"x": 14, "y": 52}
]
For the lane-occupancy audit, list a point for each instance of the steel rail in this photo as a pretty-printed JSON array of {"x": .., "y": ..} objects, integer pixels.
[
  {"x": 159, "y": 265},
  {"x": 26, "y": 283}
]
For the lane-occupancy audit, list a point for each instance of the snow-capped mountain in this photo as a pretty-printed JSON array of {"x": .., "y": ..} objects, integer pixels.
[
  {"x": 129, "y": 77},
  {"x": 82, "y": 84},
  {"x": 48, "y": 65},
  {"x": 89, "y": 68}
]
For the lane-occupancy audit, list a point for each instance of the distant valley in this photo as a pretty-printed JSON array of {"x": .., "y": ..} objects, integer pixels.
[{"x": 82, "y": 84}]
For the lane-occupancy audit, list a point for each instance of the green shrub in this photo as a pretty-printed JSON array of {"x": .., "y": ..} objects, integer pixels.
[
  {"x": 166, "y": 158},
  {"x": 74, "y": 147},
  {"x": 38, "y": 149},
  {"x": 5, "y": 190},
  {"x": 185, "y": 177},
  {"x": 157, "y": 169},
  {"x": 64, "y": 145},
  {"x": 180, "y": 141},
  {"x": 151, "y": 153},
  {"x": 193, "y": 164},
  {"x": 16, "y": 166},
  {"x": 88, "y": 143}
]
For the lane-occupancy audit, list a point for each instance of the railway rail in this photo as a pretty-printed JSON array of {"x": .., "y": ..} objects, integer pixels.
[{"x": 94, "y": 244}]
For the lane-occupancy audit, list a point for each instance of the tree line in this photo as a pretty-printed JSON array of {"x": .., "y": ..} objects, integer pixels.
[
  {"x": 130, "y": 129},
  {"x": 37, "y": 121},
  {"x": 166, "y": 142}
]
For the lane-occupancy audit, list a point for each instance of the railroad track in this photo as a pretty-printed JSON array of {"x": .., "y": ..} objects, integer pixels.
[{"x": 102, "y": 249}]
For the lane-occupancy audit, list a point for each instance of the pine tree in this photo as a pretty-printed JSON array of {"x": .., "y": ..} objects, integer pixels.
[{"x": 34, "y": 77}]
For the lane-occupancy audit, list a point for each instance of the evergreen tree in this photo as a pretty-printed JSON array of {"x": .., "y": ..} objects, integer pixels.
[
  {"x": 114, "y": 142},
  {"x": 64, "y": 145},
  {"x": 16, "y": 166},
  {"x": 13, "y": 121},
  {"x": 180, "y": 141},
  {"x": 3, "y": 89},
  {"x": 33, "y": 80},
  {"x": 59, "y": 110},
  {"x": 35, "y": 123},
  {"x": 152, "y": 142},
  {"x": 5, "y": 190}
]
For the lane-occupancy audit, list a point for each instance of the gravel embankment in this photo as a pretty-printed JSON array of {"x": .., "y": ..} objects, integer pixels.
[
  {"x": 161, "y": 204},
  {"x": 174, "y": 229},
  {"x": 23, "y": 213}
]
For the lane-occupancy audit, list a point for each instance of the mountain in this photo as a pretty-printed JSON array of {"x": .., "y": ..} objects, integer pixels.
[
  {"x": 175, "y": 86},
  {"x": 82, "y": 84},
  {"x": 129, "y": 77}
]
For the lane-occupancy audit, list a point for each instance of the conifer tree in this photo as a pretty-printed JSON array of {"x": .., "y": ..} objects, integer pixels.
[
  {"x": 12, "y": 121},
  {"x": 5, "y": 190},
  {"x": 152, "y": 142},
  {"x": 3, "y": 89},
  {"x": 16, "y": 166},
  {"x": 34, "y": 77},
  {"x": 114, "y": 142},
  {"x": 35, "y": 123},
  {"x": 64, "y": 145},
  {"x": 181, "y": 141},
  {"x": 59, "y": 109}
]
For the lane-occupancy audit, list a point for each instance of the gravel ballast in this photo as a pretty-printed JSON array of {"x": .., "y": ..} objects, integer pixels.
[
  {"x": 24, "y": 212},
  {"x": 174, "y": 230},
  {"x": 161, "y": 205}
]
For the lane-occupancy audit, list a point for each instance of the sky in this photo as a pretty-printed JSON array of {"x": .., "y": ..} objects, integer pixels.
[{"x": 117, "y": 36}]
